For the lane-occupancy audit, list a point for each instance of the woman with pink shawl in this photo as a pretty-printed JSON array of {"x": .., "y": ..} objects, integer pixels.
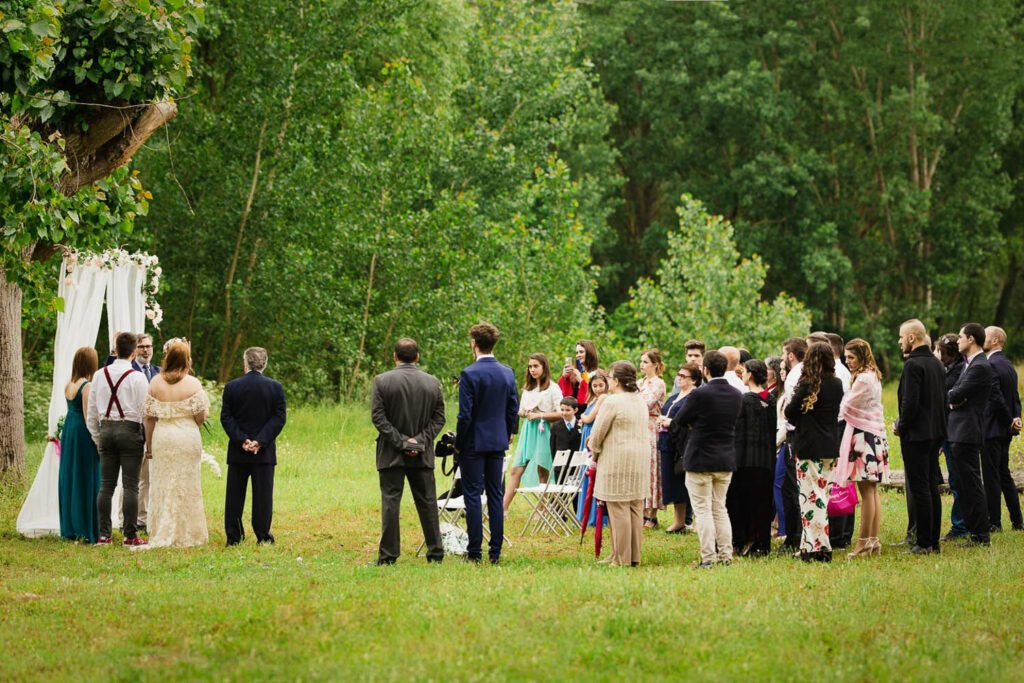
[{"x": 863, "y": 450}]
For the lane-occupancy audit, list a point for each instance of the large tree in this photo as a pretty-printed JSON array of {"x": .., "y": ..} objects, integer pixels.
[{"x": 82, "y": 86}]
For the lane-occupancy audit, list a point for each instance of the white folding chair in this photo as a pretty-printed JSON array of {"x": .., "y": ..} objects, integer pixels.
[
  {"x": 451, "y": 508},
  {"x": 534, "y": 495}
]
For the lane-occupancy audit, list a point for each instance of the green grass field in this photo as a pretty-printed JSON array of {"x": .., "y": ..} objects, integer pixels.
[{"x": 307, "y": 608}]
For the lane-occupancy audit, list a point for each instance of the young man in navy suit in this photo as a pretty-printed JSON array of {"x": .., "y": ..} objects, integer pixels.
[
  {"x": 253, "y": 414},
  {"x": 968, "y": 406},
  {"x": 488, "y": 417},
  {"x": 1002, "y": 425}
]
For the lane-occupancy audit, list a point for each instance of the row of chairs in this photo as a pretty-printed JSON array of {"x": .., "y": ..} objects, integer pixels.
[{"x": 552, "y": 504}]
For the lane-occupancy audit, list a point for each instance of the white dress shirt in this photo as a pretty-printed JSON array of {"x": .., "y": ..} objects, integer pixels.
[
  {"x": 734, "y": 381},
  {"x": 792, "y": 379},
  {"x": 131, "y": 395},
  {"x": 843, "y": 374}
]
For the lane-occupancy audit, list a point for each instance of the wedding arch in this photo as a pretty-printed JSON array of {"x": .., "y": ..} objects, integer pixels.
[{"x": 123, "y": 283}]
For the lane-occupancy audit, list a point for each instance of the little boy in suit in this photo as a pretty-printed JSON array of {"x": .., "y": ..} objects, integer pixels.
[{"x": 565, "y": 434}]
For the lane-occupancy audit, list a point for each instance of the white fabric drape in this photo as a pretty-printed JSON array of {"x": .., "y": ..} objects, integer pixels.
[
  {"x": 126, "y": 305},
  {"x": 82, "y": 290}
]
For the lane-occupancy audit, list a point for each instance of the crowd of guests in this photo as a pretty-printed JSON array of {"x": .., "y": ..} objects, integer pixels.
[
  {"x": 748, "y": 448},
  {"x": 134, "y": 425}
]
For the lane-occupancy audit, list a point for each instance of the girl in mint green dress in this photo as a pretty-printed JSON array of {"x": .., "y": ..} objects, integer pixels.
[{"x": 538, "y": 407}]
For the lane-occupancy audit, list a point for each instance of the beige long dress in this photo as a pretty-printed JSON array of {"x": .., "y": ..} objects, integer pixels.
[{"x": 176, "y": 513}]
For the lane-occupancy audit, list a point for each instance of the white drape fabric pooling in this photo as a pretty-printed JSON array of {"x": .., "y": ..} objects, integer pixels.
[{"x": 83, "y": 289}]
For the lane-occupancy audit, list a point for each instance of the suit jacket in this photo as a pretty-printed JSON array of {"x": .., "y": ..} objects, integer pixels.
[
  {"x": 562, "y": 439},
  {"x": 1004, "y": 401},
  {"x": 968, "y": 402},
  {"x": 488, "y": 407},
  {"x": 922, "y": 404},
  {"x": 815, "y": 436},
  {"x": 711, "y": 412},
  {"x": 406, "y": 403},
  {"x": 253, "y": 408},
  {"x": 154, "y": 370}
]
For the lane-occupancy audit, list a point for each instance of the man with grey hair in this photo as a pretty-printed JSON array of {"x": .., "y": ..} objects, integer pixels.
[{"x": 253, "y": 414}]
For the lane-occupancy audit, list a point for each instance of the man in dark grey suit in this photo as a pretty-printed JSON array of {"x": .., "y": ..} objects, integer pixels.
[
  {"x": 968, "y": 405},
  {"x": 408, "y": 412},
  {"x": 1002, "y": 424}
]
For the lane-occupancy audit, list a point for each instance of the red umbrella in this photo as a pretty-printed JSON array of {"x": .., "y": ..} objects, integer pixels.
[
  {"x": 597, "y": 529},
  {"x": 587, "y": 500}
]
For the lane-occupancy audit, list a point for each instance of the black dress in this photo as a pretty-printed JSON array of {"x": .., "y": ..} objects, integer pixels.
[
  {"x": 749, "y": 501},
  {"x": 673, "y": 486}
]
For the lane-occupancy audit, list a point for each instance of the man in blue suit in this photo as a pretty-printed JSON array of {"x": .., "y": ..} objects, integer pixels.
[
  {"x": 1002, "y": 424},
  {"x": 488, "y": 417},
  {"x": 253, "y": 414}
]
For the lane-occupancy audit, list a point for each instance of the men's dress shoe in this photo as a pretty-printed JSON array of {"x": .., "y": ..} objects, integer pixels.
[
  {"x": 998, "y": 528},
  {"x": 434, "y": 560},
  {"x": 905, "y": 541},
  {"x": 978, "y": 542},
  {"x": 103, "y": 540},
  {"x": 135, "y": 541},
  {"x": 380, "y": 563},
  {"x": 269, "y": 540},
  {"x": 920, "y": 550},
  {"x": 474, "y": 560},
  {"x": 951, "y": 536},
  {"x": 704, "y": 565},
  {"x": 1018, "y": 527},
  {"x": 495, "y": 560}
]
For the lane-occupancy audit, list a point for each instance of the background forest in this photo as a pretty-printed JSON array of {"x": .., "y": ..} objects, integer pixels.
[{"x": 345, "y": 172}]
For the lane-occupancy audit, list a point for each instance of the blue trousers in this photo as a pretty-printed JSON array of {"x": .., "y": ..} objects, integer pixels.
[
  {"x": 480, "y": 472},
  {"x": 956, "y": 515}
]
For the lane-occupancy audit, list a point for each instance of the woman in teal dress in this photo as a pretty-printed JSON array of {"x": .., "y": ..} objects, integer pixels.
[{"x": 78, "y": 482}]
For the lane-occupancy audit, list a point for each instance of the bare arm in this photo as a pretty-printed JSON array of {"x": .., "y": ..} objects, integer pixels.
[
  {"x": 150, "y": 424},
  {"x": 589, "y": 418}
]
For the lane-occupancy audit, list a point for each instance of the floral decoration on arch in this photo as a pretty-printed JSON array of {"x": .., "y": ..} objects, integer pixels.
[{"x": 120, "y": 257}]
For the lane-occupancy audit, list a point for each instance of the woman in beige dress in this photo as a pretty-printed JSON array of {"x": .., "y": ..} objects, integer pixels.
[
  {"x": 175, "y": 408},
  {"x": 621, "y": 447}
]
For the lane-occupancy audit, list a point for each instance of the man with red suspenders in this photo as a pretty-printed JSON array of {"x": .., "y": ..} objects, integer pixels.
[{"x": 115, "y": 422}]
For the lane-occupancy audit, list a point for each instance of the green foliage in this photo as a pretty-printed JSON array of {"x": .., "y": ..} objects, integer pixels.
[
  {"x": 859, "y": 148},
  {"x": 61, "y": 53},
  {"x": 422, "y": 166},
  {"x": 704, "y": 290}
]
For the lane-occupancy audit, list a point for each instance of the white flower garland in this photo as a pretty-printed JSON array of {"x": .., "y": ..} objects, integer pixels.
[{"x": 120, "y": 257}]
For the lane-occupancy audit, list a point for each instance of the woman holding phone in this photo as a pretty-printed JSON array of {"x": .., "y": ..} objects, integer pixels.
[{"x": 576, "y": 373}]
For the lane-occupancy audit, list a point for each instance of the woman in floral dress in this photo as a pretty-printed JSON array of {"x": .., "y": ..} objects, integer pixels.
[{"x": 652, "y": 390}]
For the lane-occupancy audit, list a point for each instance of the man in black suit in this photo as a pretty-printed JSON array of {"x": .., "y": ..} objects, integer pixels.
[
  {"x": 968, "y": 406},
  {"x": 407, "y": 407},
  {"x": 565, "y": 434},
  {"x": 921, "y": 427},
  {"x": 1002, "y": 425},
  {"x": 253, "y": 414},
  {"x": 711, "y": 412}
]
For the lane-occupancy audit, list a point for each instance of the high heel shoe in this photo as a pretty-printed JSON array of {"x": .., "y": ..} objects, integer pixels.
[{"x": 863, "y": 547}]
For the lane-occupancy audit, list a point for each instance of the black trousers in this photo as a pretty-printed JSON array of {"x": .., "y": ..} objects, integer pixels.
[
  {"x": 424, "y": 493},
  {"x": 262, "y": 501},
  {"x": 921, "y": 460},
  {"x": 966, "y": 461},
  {"x": 120, "y": 448},
  {"x": 791, "y": 503},
  {"x": 840, "y": 530},
  {"x": 911, "y": 513},
  {"x": 750, "y": 506},
  {"x": 995, "y": 471}
]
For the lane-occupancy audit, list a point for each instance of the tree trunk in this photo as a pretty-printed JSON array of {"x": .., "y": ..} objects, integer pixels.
[
  {"x": 1006, "y": 292},
  {"x": 12, "y": 381}
]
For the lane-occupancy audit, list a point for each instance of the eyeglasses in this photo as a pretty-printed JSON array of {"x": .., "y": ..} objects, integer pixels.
[
  {"x": 683, "y": 375},
  {"x": 144, "y": 346}
]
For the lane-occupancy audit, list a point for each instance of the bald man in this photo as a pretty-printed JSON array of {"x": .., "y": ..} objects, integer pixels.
[
  {"x": 921, "y": 427},
  {"x": 1002, "y": 423},
  {"x": 732, "y": 361}
]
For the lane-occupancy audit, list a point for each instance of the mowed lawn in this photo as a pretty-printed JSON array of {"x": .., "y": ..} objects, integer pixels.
[{"x": 308, "y": 609}]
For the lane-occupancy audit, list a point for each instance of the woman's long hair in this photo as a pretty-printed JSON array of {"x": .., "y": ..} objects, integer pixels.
[
  {"x": 85, "y": 364},
  {"x": 544, "y": 381},
  {"x": 819, "y": 364},
  {"x": 590, "y": 363},
  {"x": 177, "y": 361},
  {"x": 597, "y": 376},
  {"x": 865, "y": 358},
  {"x": 655, "y": 359}
]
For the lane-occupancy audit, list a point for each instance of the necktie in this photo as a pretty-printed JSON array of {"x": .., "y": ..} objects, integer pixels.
[{"x": 145, "y": 371}]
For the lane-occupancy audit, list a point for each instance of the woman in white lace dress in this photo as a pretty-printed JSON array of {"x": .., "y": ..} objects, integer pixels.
[{"x": 175, "y": 408}]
